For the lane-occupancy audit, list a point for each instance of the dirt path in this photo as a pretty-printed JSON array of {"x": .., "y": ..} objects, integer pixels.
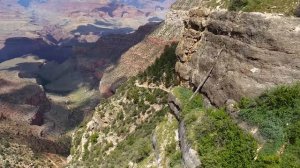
[
  {"x": 57, "y": 161},
  {"x": 144, "y": 85}
]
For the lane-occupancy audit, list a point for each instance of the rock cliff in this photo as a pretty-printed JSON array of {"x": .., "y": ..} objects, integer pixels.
[{"x": 233, "y": 55}]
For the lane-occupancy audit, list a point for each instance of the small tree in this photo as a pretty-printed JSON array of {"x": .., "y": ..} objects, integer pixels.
[
  {"x": 236, "y": 5},
  {"x": 94, "y": 138}
]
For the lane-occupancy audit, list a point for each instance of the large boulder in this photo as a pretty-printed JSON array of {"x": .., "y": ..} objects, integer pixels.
[{"x": 238, "y": 54}]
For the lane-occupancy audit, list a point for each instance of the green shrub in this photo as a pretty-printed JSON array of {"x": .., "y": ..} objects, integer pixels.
[
  {"x": 137, "y": 146},
  {"x": 175, "y": 159},
  {"x": 275, "y": 112},
  {"x": 7, "y": 164},
  {"x": 291, "y": 156},
  {"x": 221, "y": 143},
  {"x": 94, "y": 138},
  {"x": 184, "y": 95},
  {"x": 271, "y": 6},
  {"x": 86, "y": 151},
  {"x": 173, "y": 154}
]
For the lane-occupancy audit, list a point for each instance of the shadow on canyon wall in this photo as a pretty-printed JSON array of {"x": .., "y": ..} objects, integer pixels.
[
  {"x": 32, "y": 94},
  {"x": 67, "y": 68},
  {"x": 92, "y": 29},
  {"x": 18, "y": 96},
  {"x": 20, "y": 104},
  {"x": 112, "y": 43},
  {"x": 21, "y": 46}
]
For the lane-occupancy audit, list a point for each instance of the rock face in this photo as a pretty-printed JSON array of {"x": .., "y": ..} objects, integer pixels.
[{"x": 238, "y": 54}]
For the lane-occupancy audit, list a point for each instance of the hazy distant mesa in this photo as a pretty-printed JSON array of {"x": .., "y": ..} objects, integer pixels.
[{"x": 86, "y": 20}]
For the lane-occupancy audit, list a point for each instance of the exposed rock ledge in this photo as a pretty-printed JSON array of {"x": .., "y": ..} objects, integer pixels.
[{"x": 242, "y": 54}]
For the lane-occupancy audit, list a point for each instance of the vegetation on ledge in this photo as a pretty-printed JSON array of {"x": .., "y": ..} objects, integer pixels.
[
  {"x": 287, "y": 7},
  {"x": 277, "y": 114},
  {"x": 221, "y": 143},
  {"x": 216, "y": 137}
]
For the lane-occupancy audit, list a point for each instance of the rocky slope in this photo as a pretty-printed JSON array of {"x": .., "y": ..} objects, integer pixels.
[
  {"x": 145, "y": 52},
  {"x": 49, "y": 98},
  {"x": 137, "y": 114}
]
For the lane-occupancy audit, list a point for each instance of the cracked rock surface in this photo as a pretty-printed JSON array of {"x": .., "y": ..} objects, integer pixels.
[{"x": 258, "y": 52}]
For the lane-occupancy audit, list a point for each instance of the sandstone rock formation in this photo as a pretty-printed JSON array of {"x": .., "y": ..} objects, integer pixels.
[{"x": 234, "y": 55}]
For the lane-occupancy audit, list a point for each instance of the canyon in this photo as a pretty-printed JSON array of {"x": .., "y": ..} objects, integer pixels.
[
  {"x": 192, "y": 113},
  {"x": 147, "y": 83}
]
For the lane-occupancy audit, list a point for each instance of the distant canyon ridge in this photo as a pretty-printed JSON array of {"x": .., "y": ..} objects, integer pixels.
[{"x": 27, "y": 26}]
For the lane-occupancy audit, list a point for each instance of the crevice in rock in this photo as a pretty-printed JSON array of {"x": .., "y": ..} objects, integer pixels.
[
  {"x": 175, "y": 110},
  {"x": 189, "y": 156},
  {"x": 155, "y": 148},
  {"x": 194, "y": 26}
]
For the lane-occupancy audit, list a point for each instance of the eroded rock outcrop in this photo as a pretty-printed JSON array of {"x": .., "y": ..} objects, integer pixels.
[{"x": 238, "y": 54}]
